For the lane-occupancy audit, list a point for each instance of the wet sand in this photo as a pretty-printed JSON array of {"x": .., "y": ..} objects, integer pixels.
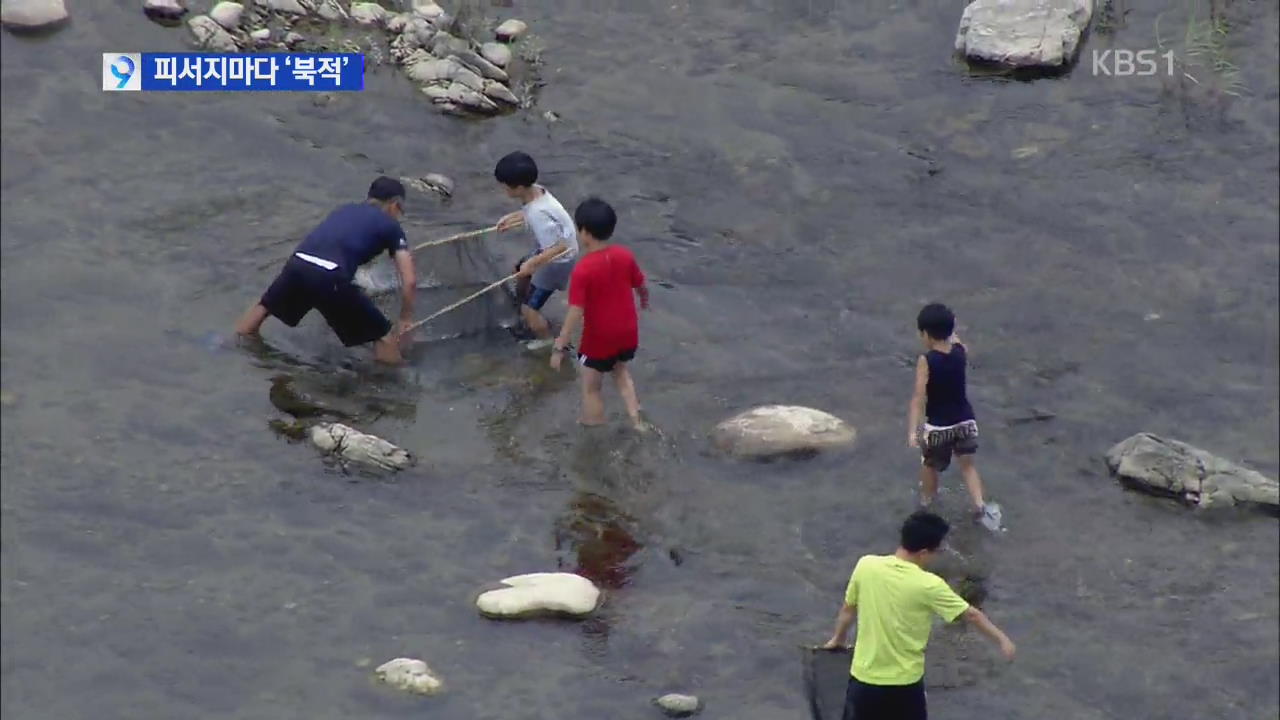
[{"x": 165, "y": 554}]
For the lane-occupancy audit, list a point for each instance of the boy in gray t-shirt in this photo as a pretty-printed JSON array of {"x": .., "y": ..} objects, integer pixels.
[{"x": 547, "y": 268}]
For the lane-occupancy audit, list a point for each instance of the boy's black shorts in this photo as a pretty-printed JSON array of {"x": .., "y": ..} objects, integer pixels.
[
  {"x": 301, "y": 286},
  {"x": 606, "y": 365},
  {"x": 885, "y": 702}
]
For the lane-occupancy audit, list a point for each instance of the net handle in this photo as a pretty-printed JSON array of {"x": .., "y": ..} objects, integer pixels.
[
  {"x": 453, "y": 238},
  {"x": 469, "y": 298}
]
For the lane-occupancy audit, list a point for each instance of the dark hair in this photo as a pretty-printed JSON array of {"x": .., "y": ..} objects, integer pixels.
[
  {"x": 516, "y": 169},
  {"x": 923, "y": 531},
  {"x": 385, "y": 188},
  {"x": 596, "y": 217},
  {"x": 937, "y": 321}
]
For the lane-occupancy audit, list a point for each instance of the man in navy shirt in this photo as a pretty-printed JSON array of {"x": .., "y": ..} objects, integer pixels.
[{"x": 318, "y": 275}]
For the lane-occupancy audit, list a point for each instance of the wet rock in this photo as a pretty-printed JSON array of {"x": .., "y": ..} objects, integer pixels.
[
  {"x": 427, "y": 9},
  {"x": 460, "y": 99},
  {"x": 287, "y": 7},
  {"x": 410, "y": 675},
  {"x": 496, "y": 53},
  {"x": 397, "y": 23},
  {"x": 1023, "y": 33},
  {"x": 30, "y": 16},
  {"x": 164, "y": 12},
  {"x": 293, "y": 39},
  {"x": 260, "y": 37},
  {"x": 437, "y": 183},
  {"x": 500, "y": 92},
  {"x": 676, "y": 705},
  {"x": 227, "y": 14},
  {"x": 443, "y": 44},
  {"x": 510, "y": 31},
  {"x": 781, "y": 429},
  {"x": 456, "y": 96},
  {"x": 368, "y": 13},
  {"x": 537, "y": 594},
  {"x": 481, "y": 66},
  {"x": 1175, "y": 469},
  {"x": 355, "y": 446},
  {"x": 209, "y": 35},
  {"x": 330, "y": 10}
]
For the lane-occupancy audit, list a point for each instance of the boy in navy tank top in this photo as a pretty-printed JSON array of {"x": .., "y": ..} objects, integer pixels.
[{"x": 949, "y": 427}]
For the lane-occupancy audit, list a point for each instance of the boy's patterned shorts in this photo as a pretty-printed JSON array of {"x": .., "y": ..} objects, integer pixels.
[{"x": 937, "y": 444}]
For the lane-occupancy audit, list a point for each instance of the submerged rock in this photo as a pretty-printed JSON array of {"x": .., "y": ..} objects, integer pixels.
[
  {"x": 510, "y": 30},
  {"x": 781, "y": 429},
  {"x": 33, "y": 15},
  {"x": 227, "y": 14},
  {"x": 164, "y": 12},
  {"x": 437, "y": 183},
  {"x": 496, "y": 53},
  {"x": 355, "y": 446},
  {"x": 410, "y": 675},
  {"x": 210, "y": 35},
  {"x": 1023, "y": 33},
  {"x": 1175, "y": 469},
  {"x": 677, "y": 705},
  {"x": 538, "y": 594}
]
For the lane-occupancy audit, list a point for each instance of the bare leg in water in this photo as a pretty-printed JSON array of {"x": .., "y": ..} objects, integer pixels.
[
  {"x": 627, "y": 389},
  {"x": 592, "y": 398},
  {"x": 928, "y": 485},
  {"x": 972, "y": 480}
]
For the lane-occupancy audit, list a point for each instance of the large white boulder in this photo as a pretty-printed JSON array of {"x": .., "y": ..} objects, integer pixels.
[
  {"x": 677, "y": 705},
  {"x": 227, "y": 14},
  {"x": 781, "y": 429},
  {"x": 1023, "y": 33},
  {"x": 1175, "y": 469},
  {"x": 32, "y": 15},
  {"x": 355, "y": 446},
  {"x": 410, "y": 675},
  {"x": 538, "y": 594}
]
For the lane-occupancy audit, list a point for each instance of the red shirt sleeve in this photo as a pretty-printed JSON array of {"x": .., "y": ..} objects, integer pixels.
[
  {"x": 578, "y": 286},
  {"x": 637, "y": 276}
]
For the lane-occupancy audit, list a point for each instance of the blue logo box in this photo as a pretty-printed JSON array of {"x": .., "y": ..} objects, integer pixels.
[{"x": 234, "y": 72}]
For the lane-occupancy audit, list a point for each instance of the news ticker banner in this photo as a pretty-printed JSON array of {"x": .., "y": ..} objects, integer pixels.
[{"x": 233, "y": 72}]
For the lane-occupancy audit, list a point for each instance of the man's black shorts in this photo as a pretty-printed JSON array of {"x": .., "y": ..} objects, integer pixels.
[
  {"x": 885, "y": 702},
  {"x": 301, "y": 286},
  {"x": 605, "y": 365}
]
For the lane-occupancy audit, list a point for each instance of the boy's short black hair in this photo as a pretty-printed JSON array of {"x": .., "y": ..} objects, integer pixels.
[
  {"x": 923, "y": 531},
  {"x": 596, "y": 217},
  {"x": 386, "y": 188},
  {"x": 937, "y": 321},
  {"x": 516, "y": 169}
]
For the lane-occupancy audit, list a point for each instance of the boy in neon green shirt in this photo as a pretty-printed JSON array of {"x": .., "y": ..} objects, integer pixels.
[{"x": 895, "y": 599}]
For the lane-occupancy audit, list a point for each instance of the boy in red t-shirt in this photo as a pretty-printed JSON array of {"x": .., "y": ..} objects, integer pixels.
[{"x": 600, "y": 297}]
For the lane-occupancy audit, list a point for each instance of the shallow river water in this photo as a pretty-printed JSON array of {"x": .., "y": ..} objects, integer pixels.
[{"x": 801, "y": 177}]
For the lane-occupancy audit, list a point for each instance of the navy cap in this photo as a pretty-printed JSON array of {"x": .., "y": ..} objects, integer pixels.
[{"x": 385, "y": 188}]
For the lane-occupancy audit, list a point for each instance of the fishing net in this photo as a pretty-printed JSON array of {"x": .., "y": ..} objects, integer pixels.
[
  {"x": 446, "y": 274},
  {"x": 826, "y": 679}
]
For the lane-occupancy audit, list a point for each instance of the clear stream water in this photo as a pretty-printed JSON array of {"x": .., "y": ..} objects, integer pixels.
[{"x": 801, "y": 176}]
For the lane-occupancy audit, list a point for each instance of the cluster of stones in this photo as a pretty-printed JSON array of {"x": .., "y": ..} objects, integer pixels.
[{"x": 460, "y": 75}]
